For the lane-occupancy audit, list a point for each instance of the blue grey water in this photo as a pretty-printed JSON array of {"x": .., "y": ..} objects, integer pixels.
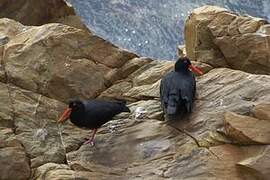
[{"x": 152, "y": 28}]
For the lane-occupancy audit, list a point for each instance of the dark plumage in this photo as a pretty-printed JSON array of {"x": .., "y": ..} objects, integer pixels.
[
  {"x": 92, "y": 114},
  {"x": 177, "y": 89}
]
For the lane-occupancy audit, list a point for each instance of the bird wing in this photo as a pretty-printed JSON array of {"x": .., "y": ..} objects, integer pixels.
[
  {"x": 187, "y": 88},
  {"x": 164, "y": 90},
  {"x": 177, "y": 87},
  {"x": 103, "y": 110}
]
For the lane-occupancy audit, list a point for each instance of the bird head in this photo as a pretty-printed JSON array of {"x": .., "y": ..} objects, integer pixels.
[
  {"x": 74, "y": 105},
  {"x": 184, "y": 64}
]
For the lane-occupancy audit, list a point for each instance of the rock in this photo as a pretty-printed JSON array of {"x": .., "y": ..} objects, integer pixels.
[
  {"x": 128, "y": 68},
  {"x": 152, "y": 109},
  {"x": 33, "y": 112},
  {"x": 71, "y": 67},
  {"x": 230, "y": 156},
  {"x": 247, "y": 130},
  {"x": 106, "y": 53},
  {"x": 6, "y": 114},
  {"x": 224, "y": 39},
  {"x": 262, "y": 111},
  {"x": 62, "y": 171},
  {"x": 222, "y": 90},
  {"x": 258, "y": 163},
  {"x": 117, "y": 90},
  {"x": 3, "y": 40},
  {"x": 10, "y": 28},
  {"x": 14, "y": 163},
  {"x": 53, "y": 171},
  {"x": 150, "y": 91},
  {"x": 73, "y": 21},
  {"x": 205, "y": 68},
  {"x": 198, "y": 41},
  {"x": 44, "y": 11},
  {"x": 142, "y": 79},
  {"x": 151, "y": 72},
  {"x": 149, "y": 141}
]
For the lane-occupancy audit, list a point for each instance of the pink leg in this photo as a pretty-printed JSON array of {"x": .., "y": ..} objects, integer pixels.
[{"x": 91, "y": 140}]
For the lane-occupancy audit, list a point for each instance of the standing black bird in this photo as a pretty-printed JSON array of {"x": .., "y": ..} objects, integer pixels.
[
  {"x": 92, "y": 114},
  {"x": 177, "y": 88}
]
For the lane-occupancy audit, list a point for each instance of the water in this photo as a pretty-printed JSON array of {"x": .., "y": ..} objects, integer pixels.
[{"x": 152, "y": 28}]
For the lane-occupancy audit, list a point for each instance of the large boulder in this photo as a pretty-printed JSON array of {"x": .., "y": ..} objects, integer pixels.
[
  {"x": 58, "y": 61},
  {"x": 221, "y": 38}
]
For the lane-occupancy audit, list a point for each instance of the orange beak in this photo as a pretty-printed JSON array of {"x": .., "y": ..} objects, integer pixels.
[
  {"x": 195, "y": 69},
  {"x": 65, "y": 115}
]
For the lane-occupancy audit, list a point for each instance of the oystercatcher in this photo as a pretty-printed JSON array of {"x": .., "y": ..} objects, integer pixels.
[
  {"x": 177, "y": 89},
  {"x": 92, "y": 114}
]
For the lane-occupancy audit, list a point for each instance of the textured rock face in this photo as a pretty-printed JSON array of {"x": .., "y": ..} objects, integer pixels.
[
  {"x": 38, "y": 12},
  {"x": 226, "y": 136},
  {"x": 223, "y": 39},
  {"x": 56, "y": 56}
]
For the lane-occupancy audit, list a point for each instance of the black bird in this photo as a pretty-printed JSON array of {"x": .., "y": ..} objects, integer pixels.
[
  {"x": 92, "y": 114},
  {"x": 177, "y": 89}
]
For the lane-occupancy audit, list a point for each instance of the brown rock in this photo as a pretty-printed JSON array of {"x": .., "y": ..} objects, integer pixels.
[
  {"x": 247, "y": 130},
  {"x": 128, "y": 68},
  {"x": 224, "y": 39},
  {"x": 144, "y": 92},
  {"x": 133, "y": 146},
  {"x": 152, "y": 72},
  {"x": 117, "y": 90},
  {"x": 259, "y": 163},
  {"x": 14, "y": 164},
  {"x": 198, "y": 38},
  {"x": 34, "y": 117},
  {"x": 53, "y": 171},
  {"x": 262, "y": 111},
  {"x": 225, "y": 167},
  {"x": 44, "y": 11},
  {"x": 6, "y": 114},
  {"x": 78, "y": 61},
  {"x": 106, "y": 53}
]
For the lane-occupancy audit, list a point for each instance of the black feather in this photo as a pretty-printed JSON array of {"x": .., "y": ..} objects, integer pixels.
[{"x": 177, "y": 89}]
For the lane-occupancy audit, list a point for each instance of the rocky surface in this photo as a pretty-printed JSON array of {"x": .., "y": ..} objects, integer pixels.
[
  {"x": 224, "y": 39},
  {"x": 38, "y": 12},
  {"x": 226, "y": 136}
]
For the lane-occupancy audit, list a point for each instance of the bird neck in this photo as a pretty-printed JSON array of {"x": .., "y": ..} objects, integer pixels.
[
  {"x": 181, "y": 67},
  {"x": 77, "y": 115}
]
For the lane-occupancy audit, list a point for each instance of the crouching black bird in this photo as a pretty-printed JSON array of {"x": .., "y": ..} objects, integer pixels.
[
  {"x": 177, "y": 89},
  {"x": 92, "y": 114}
]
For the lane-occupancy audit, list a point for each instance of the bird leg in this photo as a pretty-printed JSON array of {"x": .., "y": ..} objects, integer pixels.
[{"x": 91, "y": 140}]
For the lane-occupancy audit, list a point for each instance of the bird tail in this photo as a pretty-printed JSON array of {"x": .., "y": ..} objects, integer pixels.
[
  {"x": 125, "y": 109},
  {"x": 124, "y": 106}
]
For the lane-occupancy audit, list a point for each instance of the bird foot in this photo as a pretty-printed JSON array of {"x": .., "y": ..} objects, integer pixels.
[{"x": 91, "y": 142}]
